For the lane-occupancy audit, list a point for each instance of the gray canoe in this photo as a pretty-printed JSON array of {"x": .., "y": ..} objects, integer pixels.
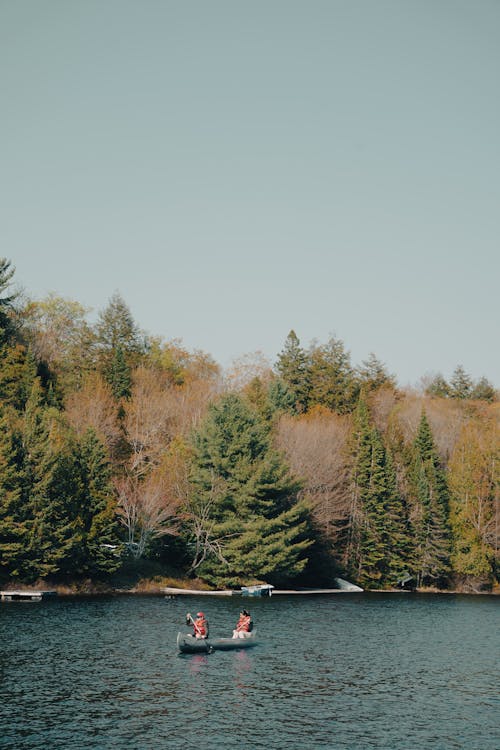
[{"x": 188, "y": 644}]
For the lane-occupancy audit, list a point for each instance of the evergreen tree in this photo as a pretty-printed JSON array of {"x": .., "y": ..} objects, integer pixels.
[
  {"x": 438, "y": 387},
  {"x": 373, "y": 374},
  {"x": 253, "y": 523},
  {"x": 13, "y": 521},
  {"x": 52, "y": 489},
  {"x": 366, "y": 551},
  {"x": 97, "y": 508},
  {"x": 293, "y": 367},
  {"x": 460, "y": 384},
  {"x": 483, "y": 390},
  {"x": 400, "y": 559},
  {"x": 7, "y": 327},
  {"x": 279, "y": 397},
  {"x": 430, "y": 499},
  {"x": 380, "y": 545},
  {"x": 17, "y": 373},
  {"x": 116, "y": 329},
  {"x": 333, "y": 383},
  {"x": 118, "y": 375}
]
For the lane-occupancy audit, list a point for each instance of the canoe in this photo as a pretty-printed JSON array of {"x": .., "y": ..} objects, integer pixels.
[{"x": 188, "y": 644}]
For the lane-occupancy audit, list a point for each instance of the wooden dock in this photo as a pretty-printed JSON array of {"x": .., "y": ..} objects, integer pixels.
[
  {"x": 25, "y": 596},
  {"x": 171, "y": 591}
]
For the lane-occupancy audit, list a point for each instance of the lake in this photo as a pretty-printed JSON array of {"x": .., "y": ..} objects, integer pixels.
[{"x": 389, "y": 671}]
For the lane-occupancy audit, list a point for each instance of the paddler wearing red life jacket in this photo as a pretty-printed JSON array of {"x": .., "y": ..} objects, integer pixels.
[
  {"x": 244, "y": 625},
  {"x": 200, "y": 625}
]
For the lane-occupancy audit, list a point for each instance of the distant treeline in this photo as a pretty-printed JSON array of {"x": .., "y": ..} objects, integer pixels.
[{"x": 116, "y": 445}]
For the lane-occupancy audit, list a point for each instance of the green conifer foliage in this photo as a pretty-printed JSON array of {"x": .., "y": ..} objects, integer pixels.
[
  {"x": 118, "y": 375},
  {"x": 367, "y": 535},
  {"x": 380, "y": 549},
  {"x": 400, "y": 560},
  {"x": 373, "y": 374},
  {"x": 430, "y": 509},
  {"x": 293, "y": 366},
  {"x": 7, "y": 327},
  {"x": 253, "y": 524},
  {"x": 333, "y": 383},
  {"x": 97, "y": 508},
  {"x": 483, "y": 390},
  {"x": 116, "y": 329},
  {"x": 17, "y": 372},
  {"x": 13, "y": 521},
  {"x": 52, "y": 492},
  {"x": 460, "y": 384},
  {"x": 438, "y": 387}
]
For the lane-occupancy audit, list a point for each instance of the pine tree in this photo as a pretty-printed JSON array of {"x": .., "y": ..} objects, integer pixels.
[
  {"x": 245, "y": 499},
  {"x": 116, "y": 328},
  {"x": 366, "y": 550},
  {"x": 97, "y": 508},
  {"x": 52, "y": 489},
  {"x": 7, "y": 327},
  {"x": 333, "y": 383},
  {"x": 460, "y": 384},
  {"x": 118, "y": 375},
  {"x": 438, "y": 387},
  {"x": 430, "y": 501},
  {"x": 373, "y": 374},
  {"x": 293, "y": 366},
  {"x": 13, "y": 520},
  {"x": 483, "y": 390},
  {"x": 380, "y": 549},
  {"x": 399, "y": 533}
]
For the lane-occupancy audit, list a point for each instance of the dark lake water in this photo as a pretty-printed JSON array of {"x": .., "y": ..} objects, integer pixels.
[{"x": 398, "y": 672}]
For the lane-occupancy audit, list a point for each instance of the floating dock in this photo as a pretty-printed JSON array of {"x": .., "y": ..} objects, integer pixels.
[
  {"x": 25, "y": 596},
  {"x": 171, "y": 591}
]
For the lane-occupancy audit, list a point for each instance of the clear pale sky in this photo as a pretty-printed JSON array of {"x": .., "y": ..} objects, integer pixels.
[{"x": 237, "y": 169}]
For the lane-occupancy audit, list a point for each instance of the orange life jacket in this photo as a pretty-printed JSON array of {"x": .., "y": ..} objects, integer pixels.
[
  {"x": 200, "y": 627},
  {"x": 243, "y": 624}
]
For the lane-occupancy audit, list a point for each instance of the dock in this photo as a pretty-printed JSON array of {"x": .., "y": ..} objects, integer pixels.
[
  {"x": 25, "y": 596},
  {"x": 171, "y": 591}
]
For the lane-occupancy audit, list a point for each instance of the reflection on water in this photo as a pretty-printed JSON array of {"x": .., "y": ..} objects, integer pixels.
[{"x": 392, "y": 672}]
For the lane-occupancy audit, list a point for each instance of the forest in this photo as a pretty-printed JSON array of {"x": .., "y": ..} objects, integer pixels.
[{"x": 120, "y": 449}]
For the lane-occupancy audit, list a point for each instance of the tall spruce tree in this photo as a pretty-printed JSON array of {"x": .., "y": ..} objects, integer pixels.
[
  {"x": 293, "y": 367},
  {"x": 97, "y": 508},
  {"x": 14, "y": 527},
  {"x": 52, "y": 489},
  {"x": 333, "y": 383},
  {"x": 460, "y": 384},
  {"x": 254, "y": 526},
  {"x": 430, "y": 509},
  {"x": 400, "y": 560},
  {"x": 7, "y": 327},
  {"x": 380, "y": 544},
  {"x": 367, "y": 543},
  {"x": 118, "y": 375}
]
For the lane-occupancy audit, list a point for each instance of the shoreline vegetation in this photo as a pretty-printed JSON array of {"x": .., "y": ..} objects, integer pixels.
[
  {"x": 126, "y": 460},
  {"x": 155, "y": 587}
]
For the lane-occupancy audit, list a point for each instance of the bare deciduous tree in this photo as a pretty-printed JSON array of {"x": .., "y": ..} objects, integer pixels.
[
  {"x": 93, "y": 406},
  {"x": 145, "y": 509},
  {"x": 315, "y": 448}
]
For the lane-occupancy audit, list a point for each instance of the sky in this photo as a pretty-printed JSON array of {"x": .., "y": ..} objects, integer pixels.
[{"x": 235, "y": 170}]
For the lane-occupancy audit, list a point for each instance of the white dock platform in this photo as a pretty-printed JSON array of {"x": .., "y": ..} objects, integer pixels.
[
  {"x": 25, "y": 596},
  {"x": 171, "y": 591}
]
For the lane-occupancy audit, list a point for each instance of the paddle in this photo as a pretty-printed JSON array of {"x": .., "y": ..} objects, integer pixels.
[{"x": 189, "y": 620}]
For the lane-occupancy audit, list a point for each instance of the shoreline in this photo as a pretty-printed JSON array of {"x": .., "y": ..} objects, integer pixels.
[{"x": 149, "y": 588}]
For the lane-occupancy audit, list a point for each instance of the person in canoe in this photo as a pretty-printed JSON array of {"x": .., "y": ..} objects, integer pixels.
[
  {"x": 200, "y": 625},
  {"x": 244, "y": 626}
]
